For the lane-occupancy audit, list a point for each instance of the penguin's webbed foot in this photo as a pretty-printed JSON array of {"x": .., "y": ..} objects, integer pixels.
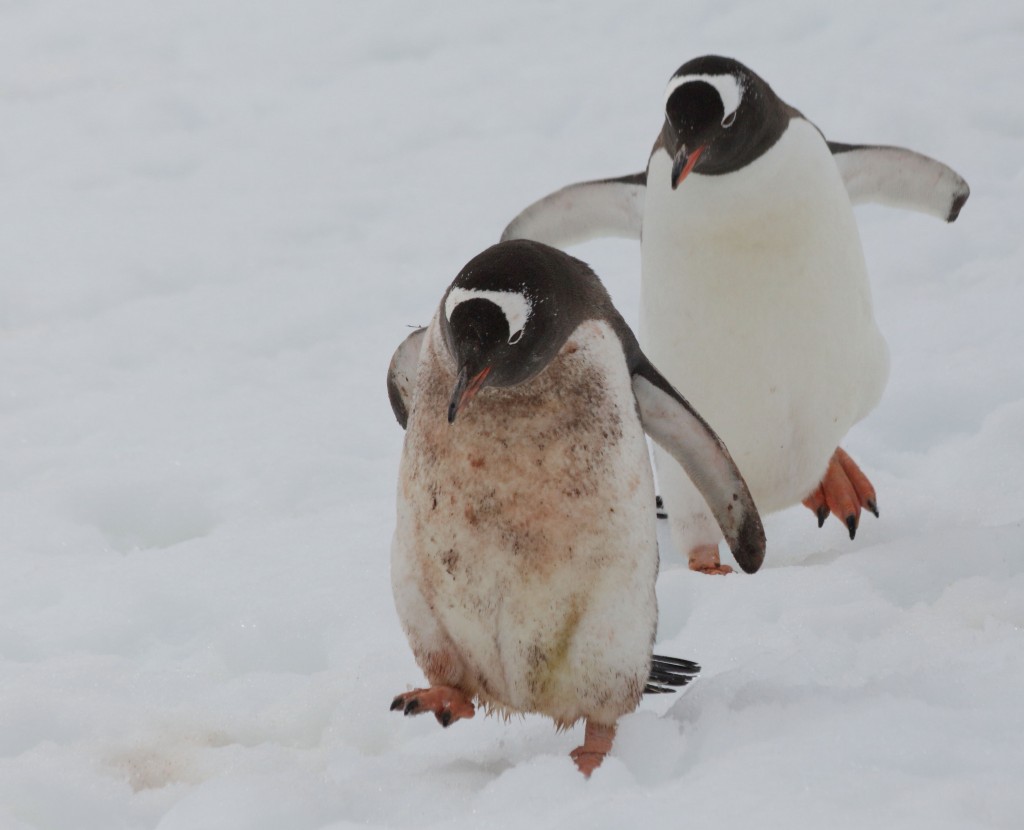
[
  {"x": 843, "y": 492},
  {"x": 446, "y": 702},
  {"x": 704, "y": 558},
  {"x": 597, "y": 742}
]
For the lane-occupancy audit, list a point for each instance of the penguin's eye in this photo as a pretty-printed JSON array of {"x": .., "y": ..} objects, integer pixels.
[
  {"x": 515, "y": 338},
  {"x": 729, "y": 120}
]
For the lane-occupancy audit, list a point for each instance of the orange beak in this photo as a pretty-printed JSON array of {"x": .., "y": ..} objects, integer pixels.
[{"x": 683, "y": 164}]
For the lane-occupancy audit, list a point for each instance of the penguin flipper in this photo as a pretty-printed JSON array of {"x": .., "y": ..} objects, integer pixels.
[
  {"x": 402, "y": 375},
  {"x": 901, "y": 178},
  {"x": 582, "y": 211},
  {"x": 670, "y": 420}
]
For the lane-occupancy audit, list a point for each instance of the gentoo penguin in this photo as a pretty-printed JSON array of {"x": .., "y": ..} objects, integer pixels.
[
  {"x": 754, "y": 294},
  {"x": 525, "y": 553}
]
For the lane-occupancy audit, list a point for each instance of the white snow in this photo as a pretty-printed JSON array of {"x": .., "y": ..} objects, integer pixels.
[{"x": 218, "y": 220}]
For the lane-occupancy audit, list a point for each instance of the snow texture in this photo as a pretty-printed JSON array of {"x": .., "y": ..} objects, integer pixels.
[{"x": 218, "y": 220}]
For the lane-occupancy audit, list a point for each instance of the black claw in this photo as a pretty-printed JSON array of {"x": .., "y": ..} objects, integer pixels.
[
  {"x": 412, "y": 705},
  {"x": 397, "y": 703},
  {"x": 851, "y": 524},
  {"x": 873, "y": 507},
  {"x": 822, "y": 513},
  {"x": 445, "y": 718}
]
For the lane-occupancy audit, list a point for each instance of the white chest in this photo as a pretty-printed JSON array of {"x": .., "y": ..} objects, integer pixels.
[{"x": 755, "y": 303}]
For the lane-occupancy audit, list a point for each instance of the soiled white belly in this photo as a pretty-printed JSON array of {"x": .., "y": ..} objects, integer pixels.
[{"x": 526, "y": 539}]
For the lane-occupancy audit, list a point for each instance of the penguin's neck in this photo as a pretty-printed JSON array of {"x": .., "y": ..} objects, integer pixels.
[
  {"x": 776, "y": 195},
  {"x": 770, "y": 226}
]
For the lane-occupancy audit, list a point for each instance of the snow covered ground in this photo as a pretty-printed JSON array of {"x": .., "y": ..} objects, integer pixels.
[{"x": 217, "y": 221}]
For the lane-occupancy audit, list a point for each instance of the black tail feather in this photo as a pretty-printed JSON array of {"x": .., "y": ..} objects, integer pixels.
[{"x": 668, "y": 674}]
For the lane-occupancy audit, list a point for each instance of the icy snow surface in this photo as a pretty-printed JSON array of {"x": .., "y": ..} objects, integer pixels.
[{"x": 217, "y": 220}]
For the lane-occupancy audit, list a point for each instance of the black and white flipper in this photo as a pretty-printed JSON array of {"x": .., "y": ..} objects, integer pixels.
[
  {"x": 900, "y": 178},
  {"x": 677, "y": 428},
  {"x": 583, "y": 211},
  {"x": 669, "y": 674},
  {"x": 873, "y": 174},
  {"x": 402, "y": 375}
]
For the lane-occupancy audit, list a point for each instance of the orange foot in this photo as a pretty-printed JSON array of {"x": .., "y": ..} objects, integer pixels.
[
  {"x": 597, "y": 742},
  {"x": 446, "y": 702},
  {"x": 842, "y": 492},
  {"x": 704, "y": 558}
]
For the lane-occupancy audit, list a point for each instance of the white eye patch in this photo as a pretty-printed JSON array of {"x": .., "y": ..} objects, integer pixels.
[
  {"x": 728, "y": 88},
  {"x": 513, "y": 305}
]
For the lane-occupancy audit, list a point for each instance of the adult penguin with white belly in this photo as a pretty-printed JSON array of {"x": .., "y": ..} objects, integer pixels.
[{"x": 755, "y": 298}]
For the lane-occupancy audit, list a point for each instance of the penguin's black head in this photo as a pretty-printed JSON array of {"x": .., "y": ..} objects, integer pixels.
[
  {"x": 507, "y": 314},
  {"x": 719, "y": 116}
]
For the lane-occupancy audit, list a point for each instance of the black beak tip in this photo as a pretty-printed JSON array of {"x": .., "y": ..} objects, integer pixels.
[{"x": 453, "y": 410}]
